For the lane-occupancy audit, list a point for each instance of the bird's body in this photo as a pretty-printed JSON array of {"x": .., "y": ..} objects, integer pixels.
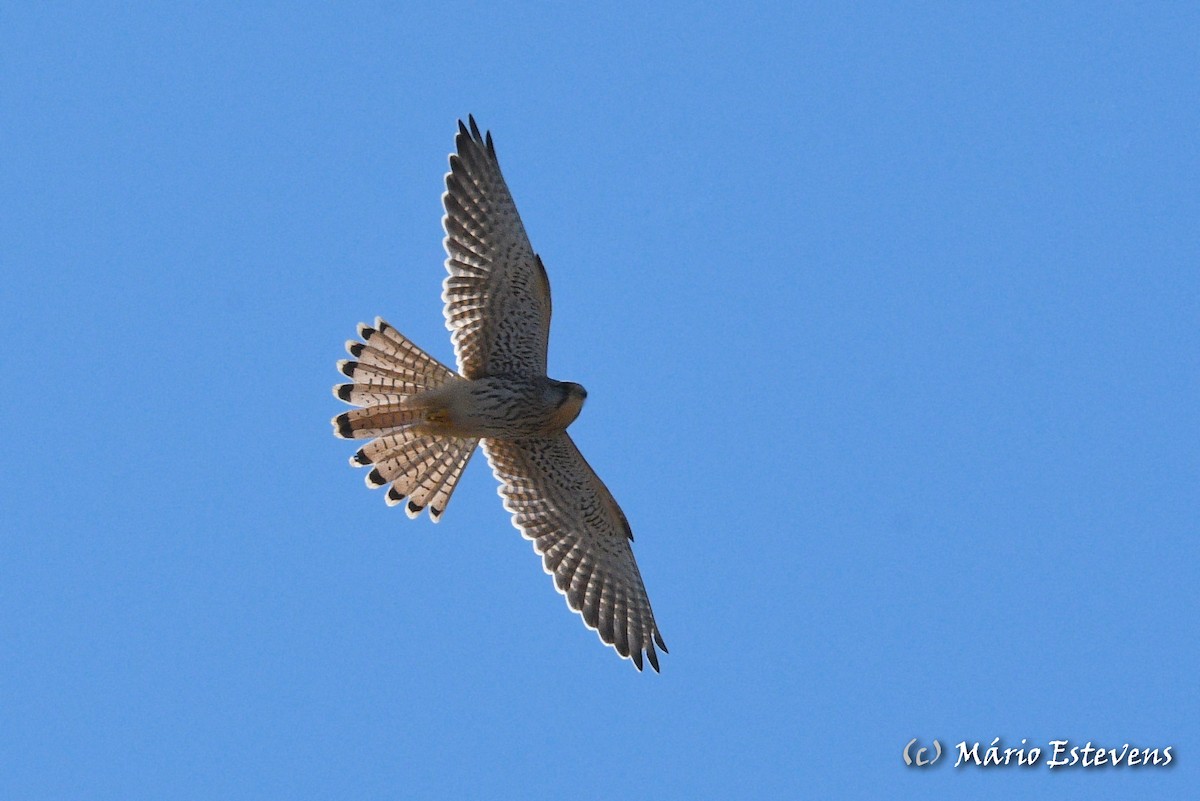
[
  {"x": 424, "y": 420},
  {"x": 501, "y": 407}
]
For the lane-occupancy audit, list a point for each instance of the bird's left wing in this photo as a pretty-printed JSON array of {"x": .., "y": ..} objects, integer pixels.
[
  {"x": 559, "y": 502},
  {"x": 497, "y": 295}
]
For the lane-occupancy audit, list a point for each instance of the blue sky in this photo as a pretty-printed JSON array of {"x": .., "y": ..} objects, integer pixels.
[{"x": 888, "y": 319}]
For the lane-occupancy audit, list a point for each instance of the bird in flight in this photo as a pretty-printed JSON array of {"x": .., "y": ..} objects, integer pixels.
[{"x": 424, "y": 420}]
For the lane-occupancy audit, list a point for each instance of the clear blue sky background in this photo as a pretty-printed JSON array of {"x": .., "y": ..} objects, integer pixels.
[{"x": 888, "y": 320}]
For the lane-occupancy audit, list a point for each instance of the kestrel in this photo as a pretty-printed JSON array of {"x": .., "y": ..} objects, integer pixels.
[{"x": 424, "y": 420}]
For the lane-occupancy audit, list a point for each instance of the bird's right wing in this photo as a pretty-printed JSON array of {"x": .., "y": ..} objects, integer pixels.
[
  {"x": 497, "y": 295},
  {"x": 559, "y": 502}
]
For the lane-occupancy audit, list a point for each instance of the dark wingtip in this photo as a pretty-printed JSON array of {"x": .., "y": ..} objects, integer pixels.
[
  {"x": 491, "y": 147},
  {"x": 474, "y": 128},
  {"x": 658, "y": 639},
  {"x": 375, "y": 478},
  {"x": 414, "y": 508},
  {"x": 346, "y": 367},
  {"x": 395, "y": 495},
  {"x": 355, "y": 349},
  {"x": 636, "y": 656},
  {"x": 343, "y": 391},
  {"x": 435, "y": 513},
  {"x": 653, "y": 657},
  {"x": 365, "y": 331},
  {"x": 342, "y": 424},
  {"x": 360, "y": 458}
]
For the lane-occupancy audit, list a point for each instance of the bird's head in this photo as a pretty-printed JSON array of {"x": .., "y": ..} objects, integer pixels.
[{"x": 570, "y": 403}]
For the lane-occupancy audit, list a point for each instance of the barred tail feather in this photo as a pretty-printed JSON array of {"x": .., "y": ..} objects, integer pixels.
[
  {"x": 386, "y": 358},
  {"x": 418, "y": 468},
  {"x": 421, "y": 469},
  {"x": 373, "y": 421}
]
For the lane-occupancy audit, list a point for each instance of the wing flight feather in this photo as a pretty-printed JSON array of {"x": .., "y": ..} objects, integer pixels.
[
  {"x": 497, "y": 295},
  {"x": 559, "y": 503}
]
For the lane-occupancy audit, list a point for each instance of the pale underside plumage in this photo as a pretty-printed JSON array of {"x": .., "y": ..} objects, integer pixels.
[{"x": 497, "y": 308}]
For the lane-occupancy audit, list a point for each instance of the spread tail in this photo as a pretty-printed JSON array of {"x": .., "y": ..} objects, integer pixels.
[{"x": 386, "y": 370}]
